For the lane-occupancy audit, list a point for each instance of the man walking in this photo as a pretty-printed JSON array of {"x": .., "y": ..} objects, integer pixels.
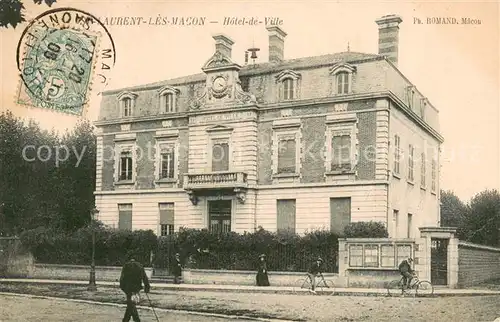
[
  {"x": 177, "y": 269},
  {"x": 131, "y": 279}
]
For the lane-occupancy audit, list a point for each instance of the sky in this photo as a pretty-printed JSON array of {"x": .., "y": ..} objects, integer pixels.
[{"x": 455, "y": 66}]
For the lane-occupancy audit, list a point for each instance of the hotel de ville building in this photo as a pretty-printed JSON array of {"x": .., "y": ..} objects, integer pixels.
[{"x": 300, "y": 144}]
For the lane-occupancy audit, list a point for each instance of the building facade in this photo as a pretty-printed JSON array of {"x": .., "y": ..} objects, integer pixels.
[{"x": 302, "y": 144}]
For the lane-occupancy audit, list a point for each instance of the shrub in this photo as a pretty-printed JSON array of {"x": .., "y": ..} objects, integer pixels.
[
  {"x": 112, "y": 246},
  {"x": 366, "y": 229}
]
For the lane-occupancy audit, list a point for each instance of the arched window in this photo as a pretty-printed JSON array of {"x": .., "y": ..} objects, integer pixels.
[
  {"x": 342, "y": 73},
  {"x": 288, "y": 85},
  {"x": 168, "y": 99}
]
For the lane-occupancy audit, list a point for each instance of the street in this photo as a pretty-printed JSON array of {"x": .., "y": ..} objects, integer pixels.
[{"x": 14, "y": 308}]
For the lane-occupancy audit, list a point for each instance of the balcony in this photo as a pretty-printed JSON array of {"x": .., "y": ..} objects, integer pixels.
[{"x": 195, "y": 184}]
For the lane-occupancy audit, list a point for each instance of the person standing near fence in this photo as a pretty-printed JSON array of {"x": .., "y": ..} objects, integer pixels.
[
  {"x": 177, "y": 268},
  {"x": 262, "y": 278},
  {"x": 132, "y": 277}
]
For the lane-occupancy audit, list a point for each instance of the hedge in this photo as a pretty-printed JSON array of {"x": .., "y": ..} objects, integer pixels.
[{"x": 112, "y": 246}]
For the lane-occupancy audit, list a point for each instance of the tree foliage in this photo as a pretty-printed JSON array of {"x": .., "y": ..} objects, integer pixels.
[
  {"x": 38, "y": 190},
  {"x": 366, "y": 229},
  {"x": 453, "y": 210},
  {"x": 12, "y": 11}
]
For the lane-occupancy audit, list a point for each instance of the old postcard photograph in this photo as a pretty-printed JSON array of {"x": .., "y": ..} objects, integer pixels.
[{"x": 249, "y": 160}]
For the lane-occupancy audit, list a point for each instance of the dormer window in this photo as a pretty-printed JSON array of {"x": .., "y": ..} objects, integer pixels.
[
  {"x": 168, "y": 99},
  {"x": 127, "y": 103},
  {"x": 409, "y": 95},
  {"x": 342, "y": 73},
  {"x": 288, "y": 85}
]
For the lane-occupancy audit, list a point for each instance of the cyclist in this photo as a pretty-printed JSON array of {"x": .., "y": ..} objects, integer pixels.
[
  {"x": 406, "y": 271},
  {"x": 315, "y": 269}
]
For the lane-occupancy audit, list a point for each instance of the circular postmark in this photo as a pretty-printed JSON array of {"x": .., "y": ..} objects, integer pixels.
[{"x": 63, "y": 55}]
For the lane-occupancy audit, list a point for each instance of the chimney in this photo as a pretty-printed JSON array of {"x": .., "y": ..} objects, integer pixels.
[
  {"x": 223, "y": 44},
  {"x": 276, "y": 44},
  {"x": 388, "y": 36}
]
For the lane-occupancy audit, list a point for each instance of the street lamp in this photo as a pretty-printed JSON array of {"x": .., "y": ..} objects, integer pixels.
[{"x": 92, "y": 286}]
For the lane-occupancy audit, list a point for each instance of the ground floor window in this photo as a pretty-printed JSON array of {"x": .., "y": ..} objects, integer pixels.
[
  {"x": 219, "y": 215},
  {"x": 166, "y": 218}
]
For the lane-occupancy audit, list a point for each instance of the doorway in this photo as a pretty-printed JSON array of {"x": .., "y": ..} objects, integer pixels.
[{"x": 439, "y": 261}]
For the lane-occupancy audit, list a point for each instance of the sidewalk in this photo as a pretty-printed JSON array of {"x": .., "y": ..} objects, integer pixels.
[{"x": 159, "y": 287}]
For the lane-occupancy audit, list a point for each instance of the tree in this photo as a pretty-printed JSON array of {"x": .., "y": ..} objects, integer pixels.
[
  {"x": 453, "y": 210},
  {"x": 12, "y": 11},
  {"x": 482, "y": 224}
]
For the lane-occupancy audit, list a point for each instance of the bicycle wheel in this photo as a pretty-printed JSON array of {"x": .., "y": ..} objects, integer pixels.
[
  {"x": 326, "y": 287},
  {"x": 424, "y": 288},
  {"x": 394, "y": 288},
  {"x": 301, "y": 284}
]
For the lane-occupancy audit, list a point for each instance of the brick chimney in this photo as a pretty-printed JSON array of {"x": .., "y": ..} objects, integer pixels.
[
  {"x": 388, "y": 36},
  {"x": 276, "y": 44},
  {"x": 223, "y": 44}
]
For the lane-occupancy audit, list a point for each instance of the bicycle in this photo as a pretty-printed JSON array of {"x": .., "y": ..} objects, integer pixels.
[
  {"x": 421, "y": 287},
  {"x": 322, "y": 285}
]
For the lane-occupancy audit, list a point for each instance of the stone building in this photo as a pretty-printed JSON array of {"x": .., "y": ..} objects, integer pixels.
[{"x": 300, "y": 144}]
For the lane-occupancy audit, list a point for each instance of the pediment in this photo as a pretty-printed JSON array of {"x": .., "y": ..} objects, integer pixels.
[
  {"x": 342, "y": 67},
  {"x": 219, "y": 128},
  {"x": 168, "y": 89},
  {"x": 219, "y": 60},
  {"x": 287, "y": 74},
  {"x": 126, "y": 94}
]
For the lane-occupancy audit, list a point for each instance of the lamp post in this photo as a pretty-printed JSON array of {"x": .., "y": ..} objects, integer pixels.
[{"x": 92, "y": 286}]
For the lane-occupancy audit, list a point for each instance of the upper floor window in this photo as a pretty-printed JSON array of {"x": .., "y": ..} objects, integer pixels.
[
  {"x": 288, "y": 85},
  {"x": 220, "y": 150},
  {"x": 410, "y": 163},
  {"x": 422, "y": 171},
  {"x": 287, "y": 154},
  {"x": 342, "y": 73},
  {"x": 409, "y": 95},
  {"x": 127, "y": 103},
  {"x": 341, "y": 143},
  {"x": 125, "y": 158},
  {"x": 126, "y": 163},
  {"x": 167, "y": 159},
  {"x": 397, "y": 153},
  {"x": 423, "y": 107},
  {"x": 434, "y": 176},
  {"x": 168, "y": 99},
  {"x": 220, "y": 155}
]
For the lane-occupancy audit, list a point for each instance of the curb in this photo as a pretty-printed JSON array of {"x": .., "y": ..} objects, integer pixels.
[{"x": 142, "y": 307}]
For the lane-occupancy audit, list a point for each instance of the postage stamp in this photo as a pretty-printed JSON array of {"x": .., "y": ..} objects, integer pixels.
[{"x": 63, "y": 56}]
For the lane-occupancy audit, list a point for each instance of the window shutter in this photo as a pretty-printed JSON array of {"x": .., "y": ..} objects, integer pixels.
[
  {"x": 167, "y": 213},
  {"x": 341, "y": 152},
  {"x": 287, "y": 156},
  {"x": 286, "y": 215}
]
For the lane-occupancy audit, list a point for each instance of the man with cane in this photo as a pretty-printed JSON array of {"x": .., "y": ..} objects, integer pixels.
[{"x": 131, "y": 279}]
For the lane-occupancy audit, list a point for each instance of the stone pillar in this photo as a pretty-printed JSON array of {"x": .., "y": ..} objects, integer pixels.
[
  {"x": 453, "y": 262},
  {"x": 343, "y": 280}
]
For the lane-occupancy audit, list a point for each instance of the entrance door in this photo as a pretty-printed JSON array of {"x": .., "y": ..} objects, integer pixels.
[
  {"x": 439, "y": 261},
  {"x": 219, "y": 215}
]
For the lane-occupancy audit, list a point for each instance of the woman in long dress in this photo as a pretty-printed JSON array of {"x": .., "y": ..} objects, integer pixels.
[{"x": 262, "y": 278}]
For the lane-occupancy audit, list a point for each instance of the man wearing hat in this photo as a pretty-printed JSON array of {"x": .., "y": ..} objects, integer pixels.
[
  {"x": 177, "y": 269},
  {"x": 314, "y": 270},
  {"x": 262, "y": 278},
  {"x": 132, "y": 277}
]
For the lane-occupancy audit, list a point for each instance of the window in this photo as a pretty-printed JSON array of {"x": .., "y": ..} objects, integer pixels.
[
  {"x": 371, "y": 256},
  {"x": 341, "y": 143},
  {"x": 423, "y": 107},
  {"x": 434, "y": 175},
  {"x": 168, "y": 99},
  {"x": 288, "y": 85},
  {"x": 340, "y": 214},
  {"x": 409, "y": 95},
  {"x": 341, "y": 152},
  {"x": 125, "y": 166},
  {"x": 288, "y": 90},
  {"x": 409, "y": 225},
  {"x": 397, "y": 153},
  {"x": 127, "y": 107},
  {"x": 287, "y": 155},
  {"x": 219, "y": 212},
  {"x": 356, "y": 255},
  {"x": 166, "y": 218},
  {"x": 220, "y": 156},
  {"x": 125, "y": 216},
  {"x": 167, "y": 167},
  {"x": 410, "y": 163},
  {"x": 395, "y": 222},
  {"x": 422, "y": 171},
  {"x": 367, "y": 254},
  {"x": 403, "y": 252},
  {"x": 342, "y": 83},
  {"x": 387, "y": 256},
  {"x": 342, "y": 76},
  {"x": 127, "y": 103},
  {"x": 285, "y": 209}
]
